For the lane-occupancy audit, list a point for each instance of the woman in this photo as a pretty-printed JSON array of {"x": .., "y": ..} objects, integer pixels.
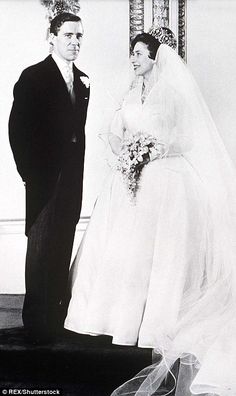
[{"x": 157, "y": 264}]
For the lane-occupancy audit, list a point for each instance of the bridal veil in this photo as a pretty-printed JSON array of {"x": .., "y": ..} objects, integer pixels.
[{"x": 204, "y": 341}]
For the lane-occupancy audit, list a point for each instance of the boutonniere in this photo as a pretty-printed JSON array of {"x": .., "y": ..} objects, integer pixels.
[{"x": 85, "y": 81}]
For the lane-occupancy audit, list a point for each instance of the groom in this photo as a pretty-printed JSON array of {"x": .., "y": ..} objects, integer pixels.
[{"x": 46, "y": 131}]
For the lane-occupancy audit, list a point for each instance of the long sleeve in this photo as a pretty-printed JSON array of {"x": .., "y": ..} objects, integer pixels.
[
  {"x": 21, "y": 125},
  {"x": 116, "y": 132}
]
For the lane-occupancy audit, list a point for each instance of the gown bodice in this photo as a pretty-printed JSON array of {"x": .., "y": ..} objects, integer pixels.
[{"x": 159, "y": 115}]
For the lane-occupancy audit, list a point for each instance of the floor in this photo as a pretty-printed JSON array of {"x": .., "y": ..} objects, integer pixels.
[
  {"x": 76, "y": 365},
  {"x": 73, "y": 365}
]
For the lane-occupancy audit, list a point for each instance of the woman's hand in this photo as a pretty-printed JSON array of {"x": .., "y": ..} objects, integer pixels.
[
  {"x": 115, "y": 143},
  {"x": 145, "y": 161}
]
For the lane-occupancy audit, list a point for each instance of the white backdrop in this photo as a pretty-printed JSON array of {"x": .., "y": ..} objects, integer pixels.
[{"x": 211, "y": 53}]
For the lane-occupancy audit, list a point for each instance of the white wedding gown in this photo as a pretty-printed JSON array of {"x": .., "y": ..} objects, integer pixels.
[{"x": 147, "y": 272}]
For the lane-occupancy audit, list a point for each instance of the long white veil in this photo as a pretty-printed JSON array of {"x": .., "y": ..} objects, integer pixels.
[{"x": 204, "y": 340}]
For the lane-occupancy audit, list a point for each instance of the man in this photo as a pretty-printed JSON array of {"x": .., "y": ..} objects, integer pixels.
[{"x": 46, "y": 130}]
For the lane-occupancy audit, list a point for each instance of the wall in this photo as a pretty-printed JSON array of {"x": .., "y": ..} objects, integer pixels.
[
  {"x": 23, "y": 31},
  {"x": 211, "y": 54},
  {"x": 104, "y": 57}
]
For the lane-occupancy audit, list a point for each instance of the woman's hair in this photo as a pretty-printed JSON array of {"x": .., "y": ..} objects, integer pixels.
[
  {"x": 58, "y": 21},
  {"x": 151, "y": 42}
]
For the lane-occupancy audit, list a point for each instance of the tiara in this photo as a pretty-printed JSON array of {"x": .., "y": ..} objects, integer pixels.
[
  {"x": 164, "y": 36},
  {"x": 55, "y": 7}
]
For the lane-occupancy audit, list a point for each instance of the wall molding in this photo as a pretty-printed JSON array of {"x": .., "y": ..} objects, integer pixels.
[
  {"x": 182, "y": 29},
  {"x": 136, "y": 17},
  {"x": 161, "y": 10},
  {"x": 17, "y": 226}
]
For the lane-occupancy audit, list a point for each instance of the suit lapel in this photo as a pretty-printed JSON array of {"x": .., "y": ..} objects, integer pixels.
[
  {"x": 57, "y": 83},
  {"x": 78, "y": 87},
  {"x": 81, "y": 91}
]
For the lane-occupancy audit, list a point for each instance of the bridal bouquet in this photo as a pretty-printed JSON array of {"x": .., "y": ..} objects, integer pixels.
[{"x": 135, "y": 153}]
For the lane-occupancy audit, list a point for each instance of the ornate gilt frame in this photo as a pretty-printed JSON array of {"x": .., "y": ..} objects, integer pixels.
[
  {"x": 136, "y": 17},
  {"x": 160, "y": 16},
  {"x": 182, "y": 28}
]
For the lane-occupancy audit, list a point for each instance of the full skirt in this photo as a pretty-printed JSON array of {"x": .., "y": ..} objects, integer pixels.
[{"x": 146, "y": 273}]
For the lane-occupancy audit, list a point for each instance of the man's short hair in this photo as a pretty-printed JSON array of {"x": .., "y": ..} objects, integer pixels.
[{"x": 58, "y": 21}]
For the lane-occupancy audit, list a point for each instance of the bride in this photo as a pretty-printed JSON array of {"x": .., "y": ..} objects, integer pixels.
[{"x": 157, "y": 263}]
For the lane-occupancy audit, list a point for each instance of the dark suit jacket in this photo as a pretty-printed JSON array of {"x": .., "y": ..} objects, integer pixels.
[{"x": 41, "y": 125}]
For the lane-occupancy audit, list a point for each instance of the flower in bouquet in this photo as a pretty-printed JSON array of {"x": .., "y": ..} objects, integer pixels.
[{"x": 136, "y": 152}]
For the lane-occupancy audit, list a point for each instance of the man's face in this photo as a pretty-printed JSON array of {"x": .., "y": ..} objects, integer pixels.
[{"x": 67, "y": 42}]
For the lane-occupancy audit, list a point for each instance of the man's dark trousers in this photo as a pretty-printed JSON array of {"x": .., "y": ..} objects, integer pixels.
[{"x": 50, "y": 242}]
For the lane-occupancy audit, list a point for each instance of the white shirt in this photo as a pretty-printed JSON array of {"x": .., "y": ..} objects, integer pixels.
[
  {"x": 66, "y": 69},
  {"x": 63, "y": 66}
]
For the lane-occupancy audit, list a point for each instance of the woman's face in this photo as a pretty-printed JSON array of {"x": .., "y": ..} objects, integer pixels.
[{"x": 141, "y": 61}]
